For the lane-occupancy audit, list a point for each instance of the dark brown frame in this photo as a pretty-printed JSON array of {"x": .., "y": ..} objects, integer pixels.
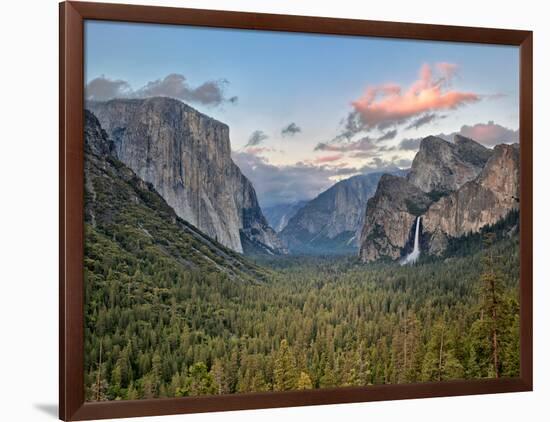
[{"x": 71, "y": 205}]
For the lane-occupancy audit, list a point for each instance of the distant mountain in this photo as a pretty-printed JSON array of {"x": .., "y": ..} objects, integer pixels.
[
  {"x": 330, "y": 223},
  {"x": 279, "y": 215},
  {"x": 455, "y": 188},
  {"x": 128, "y": 222},
  {"x": 186, "y": 156}
]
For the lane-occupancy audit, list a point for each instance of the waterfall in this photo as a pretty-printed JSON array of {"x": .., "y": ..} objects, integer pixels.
[{"x": 413, "y": 256}]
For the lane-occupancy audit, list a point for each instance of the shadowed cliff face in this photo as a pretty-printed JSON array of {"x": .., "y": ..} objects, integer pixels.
[
  {"x": 390, "y": 214},
  {"x": 464, "y": 187},
  {"x": 186, "y": 156}
]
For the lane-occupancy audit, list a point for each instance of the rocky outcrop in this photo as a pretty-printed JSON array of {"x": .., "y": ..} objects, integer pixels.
[
  {"x": 440, "y": 167},
  {"x": 390, "y": 215},
  {"x": 465, "y": 187},
  {"x": 186, "y": 156},
  {"x": 480, "y": 202},
  {"x": 331, "y": 222},
  {"x": 125, "y": 215},
  {"x": 96, "y": 140}
]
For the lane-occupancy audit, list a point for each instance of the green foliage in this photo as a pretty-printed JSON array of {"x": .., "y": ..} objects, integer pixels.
[
  {"x": 285, "y": 375},
  {"x": 304, "y": 382},
  {"x": 473, "y": 242},
  {"x": 171, "y": 313},
  {"x": 319, "y": 322}
]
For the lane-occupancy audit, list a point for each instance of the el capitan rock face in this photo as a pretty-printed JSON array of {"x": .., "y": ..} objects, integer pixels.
[
  {"x": 466, "y": 187},
  {"x": 186, "y": 156},
  {"x": 119, "y": 202}
]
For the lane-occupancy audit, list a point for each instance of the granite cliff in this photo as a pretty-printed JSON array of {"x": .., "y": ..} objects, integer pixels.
[
  {"x": 390, "y": 215},
  {"x": 480, "y": 202},
  {"x": 440, "y": 167},
  {"x": 455, "y": 188},
  {"x": 126, "y": 218},
  {"x": 186, "y": 156}
]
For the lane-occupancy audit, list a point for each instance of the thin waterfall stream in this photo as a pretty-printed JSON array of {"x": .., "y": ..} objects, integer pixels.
[{"x": 413, "y": 256}]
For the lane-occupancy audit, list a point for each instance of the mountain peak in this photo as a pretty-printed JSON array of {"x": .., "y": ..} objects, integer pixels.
[
  {"x": 441, "y": 166},
  {"x": 471, "y": 150}
]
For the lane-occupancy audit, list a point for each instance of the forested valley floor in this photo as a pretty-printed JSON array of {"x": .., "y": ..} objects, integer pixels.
[{"x": 157, "y": 329}]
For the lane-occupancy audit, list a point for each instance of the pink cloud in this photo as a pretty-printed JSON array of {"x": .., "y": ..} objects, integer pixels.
[
  {"x": 490, "y": 133},
  {"x": 328, "y": 158},
  {"x": 257, "y": 150},
  {"x": 388, "y": 104},
  {"x": 447, "y": 70}
]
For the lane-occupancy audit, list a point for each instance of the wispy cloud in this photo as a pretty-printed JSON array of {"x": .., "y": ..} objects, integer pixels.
[
  {"x": 390, "y": 134},
  {"x": 175, "y": 85},
  {"x": 364, "y": 144},
  {"x": 328, "y": 158},
  {"x": 424, "y": 120},
  {"x": 291, "y": 129},
  {"x": 409, "y": 144},
  {"x": 258, "y": 150},
  {"x": 256, "y": 138}
]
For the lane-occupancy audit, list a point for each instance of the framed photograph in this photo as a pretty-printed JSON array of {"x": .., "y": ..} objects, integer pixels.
[{"x": 267, "y": 210}]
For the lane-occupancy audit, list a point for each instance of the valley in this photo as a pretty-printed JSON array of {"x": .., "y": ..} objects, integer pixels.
[{"x": 193, "y": 289}]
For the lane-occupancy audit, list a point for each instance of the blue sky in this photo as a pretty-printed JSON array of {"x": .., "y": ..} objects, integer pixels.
[{"x": 316, "y": 82}]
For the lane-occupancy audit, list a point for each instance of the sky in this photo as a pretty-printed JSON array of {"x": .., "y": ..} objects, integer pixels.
[{"x": 307, "y": 110}]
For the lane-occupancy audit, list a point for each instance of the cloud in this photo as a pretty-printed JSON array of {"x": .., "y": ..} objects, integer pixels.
[
  {"x": 424, "y": 120},
  {"x": 328, "y": 158},
  {"x": 103, "y": 89},
  {"x": 175, "y": 85},
  {"x": 386, "y": 105},
  {"x": 364, "y": 144},
  {"x": 447, "y": 70},
  {"x": 490, "y": 133},
  {"x": 388, "y": 135},
  {"x": 258, "y": 150},
  {"x": 403, "y": 162},
  {"x": 256, "y": 138},
  {"x": 283, "y": 184},
  {"x": 291, "y": 129},
  {"x": 409, "y": 144},
  {"x": 289, "y": 183}
]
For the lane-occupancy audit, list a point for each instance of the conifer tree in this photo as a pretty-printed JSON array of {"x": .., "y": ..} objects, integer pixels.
[
  {"x": 285, "y": 376},
  {"x": 304, "y": 382}
]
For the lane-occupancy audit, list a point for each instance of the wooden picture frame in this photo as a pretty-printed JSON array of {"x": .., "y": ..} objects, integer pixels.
[{"x": 72, "y": 405}]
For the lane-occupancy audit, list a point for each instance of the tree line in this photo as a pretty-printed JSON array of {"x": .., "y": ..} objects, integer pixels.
[{"x": 157, "y": 329}]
